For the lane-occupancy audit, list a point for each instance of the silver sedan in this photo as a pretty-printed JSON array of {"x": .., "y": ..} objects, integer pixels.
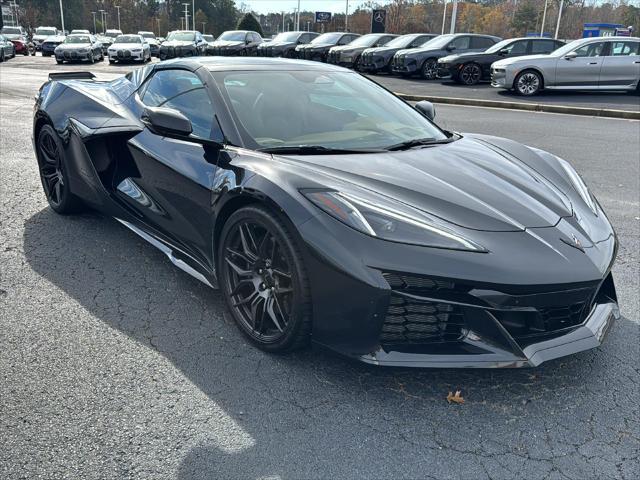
[{"x": 604, "y": 63}]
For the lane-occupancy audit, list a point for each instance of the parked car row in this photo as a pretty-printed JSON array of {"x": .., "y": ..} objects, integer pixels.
[{"x": 18, "y": 37}]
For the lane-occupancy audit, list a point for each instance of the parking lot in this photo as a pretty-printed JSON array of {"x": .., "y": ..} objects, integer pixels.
[{"x": 113, "y": 363}]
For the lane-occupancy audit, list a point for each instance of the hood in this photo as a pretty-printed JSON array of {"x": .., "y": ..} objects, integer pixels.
[
  {"x": 382, "y": 50},
  {"x": 469, "y": 183},
  {"x": 128, "y": 46},
  {"x": 55, "y": 38},
  {"x": 40, "y": 38},
  {"x": 73, "y": 46},
  {"x": 342, "y": 48},
  {"x": 415, "y": 51},
  {"x": 524, "y": 59},
  {"x": 276, "y": 44},
  {"x": 457, "y": 56},
  {"x": 227, "y": 43},
  {"x": 177, "y": 43},
  {"x": 13, "y": 36},
  {"x": 308, "y": 46}
]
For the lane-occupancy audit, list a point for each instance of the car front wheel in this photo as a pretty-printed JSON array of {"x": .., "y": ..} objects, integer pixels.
[
  {"x": 470, "y": 74},
  {"x": 263, "y": 279},
  {"x": 429, "y": 69},
  {"x": 528, "y": 83}
]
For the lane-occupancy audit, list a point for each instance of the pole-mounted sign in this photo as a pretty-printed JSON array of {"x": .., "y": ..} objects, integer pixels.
[
  {"x": 378, "y": 20},
  {"x": 323, "y": 17}
]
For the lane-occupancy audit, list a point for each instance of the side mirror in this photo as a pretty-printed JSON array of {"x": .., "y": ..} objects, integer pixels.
[
  {"x": 571, "y": 55},
  {"x": 427, "y": 109},
  {"x": 166, "y": 121},
  {"x": 451, "y": 48},
  {"x": 503, "y": 52}
]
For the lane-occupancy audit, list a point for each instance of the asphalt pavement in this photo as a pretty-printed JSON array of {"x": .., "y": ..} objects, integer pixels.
[{"x": 113, "y": 363}]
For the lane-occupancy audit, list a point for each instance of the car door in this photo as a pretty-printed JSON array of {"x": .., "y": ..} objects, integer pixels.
[
  {"x": 459, "y": 44},
  {"x": 621, "y": 65},
  {"x": 480, "y": 44},
  {"x": 583, "y": 70},
  {"x": 172, "y": 189}
]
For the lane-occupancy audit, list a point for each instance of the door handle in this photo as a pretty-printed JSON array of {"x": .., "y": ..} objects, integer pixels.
[
  {"x": 593, "y": 63},
  {"x": 637, "y": 61}
]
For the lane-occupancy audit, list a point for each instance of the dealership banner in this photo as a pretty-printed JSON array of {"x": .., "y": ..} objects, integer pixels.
[
  {"x": 323, "y": 17},
  {"x": 378, "y": 19}
]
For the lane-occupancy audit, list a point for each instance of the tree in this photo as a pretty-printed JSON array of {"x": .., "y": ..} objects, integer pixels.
[{"x": 249, "y": 22}]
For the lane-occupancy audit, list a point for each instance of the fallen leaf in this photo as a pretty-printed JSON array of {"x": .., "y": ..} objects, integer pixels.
[{"x": 457, "y": 398}]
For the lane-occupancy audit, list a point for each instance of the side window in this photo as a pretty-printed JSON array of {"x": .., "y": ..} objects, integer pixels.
[
  {"x": 185, "y": 92},
  {"x": 482, "y": 42},
  {"x": 382, "y": 41},
  {"x": 542, "y": 46},
  {"x": 256, "y": 37},
  {"x": 304, "y": 38},
  {"x": 591, "y": 50},
  {"x": 517, "y": 48},
  {"x": 619, "y": 49},
  {"x": 461, "y": 43}
]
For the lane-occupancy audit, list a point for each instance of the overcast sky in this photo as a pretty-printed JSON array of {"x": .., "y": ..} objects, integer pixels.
[{"x": 266, "y": 6}]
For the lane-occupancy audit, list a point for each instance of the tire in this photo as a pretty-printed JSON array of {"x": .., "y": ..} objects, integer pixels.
[
  {"x": 528, "y": 83},
  {"x": 429, "y": 70},
  {"x": 2, "y": 55},
  {"x": 92, "y": 58},
  {"x": 54, "y": 174},
  {"x": 272, "y": 302},
  {"x": 470, "y": 74},
  {"x": 59, "y": 62}
]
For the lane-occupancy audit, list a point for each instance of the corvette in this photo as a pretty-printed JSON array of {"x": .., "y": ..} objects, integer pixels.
[{"x": 328, "y": 210}]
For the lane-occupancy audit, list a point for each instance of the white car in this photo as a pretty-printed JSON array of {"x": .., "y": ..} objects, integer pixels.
[
  {"x": 127, "y": 48},
  {"x": 41, "y": 34}
]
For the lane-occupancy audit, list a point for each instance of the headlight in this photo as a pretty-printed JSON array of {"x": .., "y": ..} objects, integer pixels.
[
  {"x": 579, "y": 185},
  {"x": 390, "y": 220}
]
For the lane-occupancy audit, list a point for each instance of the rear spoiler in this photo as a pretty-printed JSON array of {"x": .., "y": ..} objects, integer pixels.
[{"x": 53, "y": 76}]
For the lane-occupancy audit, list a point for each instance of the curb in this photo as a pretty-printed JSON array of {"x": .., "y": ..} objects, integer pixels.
[{"x": 532, "y": 107}]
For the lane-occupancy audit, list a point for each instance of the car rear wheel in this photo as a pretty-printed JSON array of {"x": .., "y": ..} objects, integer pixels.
[
  {"x": 429, "y": 70},
  {"x": 263, "y": 279},
  {"x": 53, "y": 173},
  {"x": 470, "y": 74},
  {"x": 2, "y": 55},
  {"x": 528, "y": 83}
]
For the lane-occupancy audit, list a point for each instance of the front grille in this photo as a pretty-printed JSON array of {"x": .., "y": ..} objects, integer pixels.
[
  {"x": 412, "y": 321},
  {"x": 124, "y": 54},
  {"x": 333, "y": 57}
]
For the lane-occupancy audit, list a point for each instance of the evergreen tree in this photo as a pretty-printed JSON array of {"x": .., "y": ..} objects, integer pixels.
[{"x": 249, "y": 22}]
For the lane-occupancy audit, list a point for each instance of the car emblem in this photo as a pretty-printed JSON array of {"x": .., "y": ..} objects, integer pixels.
[{"x": 574, "y": 242}]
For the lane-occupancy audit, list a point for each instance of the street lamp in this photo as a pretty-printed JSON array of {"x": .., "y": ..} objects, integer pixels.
[
  {"x": 186, "y": 16},
  {"x": 203, "y": 24},
  {"x": 118, "y": 8},
  {"x": 444, "y": 15},
  {"x": 101, "y": 19},
  {"x": 346, "y": 17},
  {"x": 94, "y": 22}
]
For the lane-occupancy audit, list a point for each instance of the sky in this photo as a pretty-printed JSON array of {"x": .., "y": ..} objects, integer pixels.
[{"x": 266, "y": 6}]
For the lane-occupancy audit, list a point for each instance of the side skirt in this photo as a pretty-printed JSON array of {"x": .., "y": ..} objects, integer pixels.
[{"x": 164, "y": 248}]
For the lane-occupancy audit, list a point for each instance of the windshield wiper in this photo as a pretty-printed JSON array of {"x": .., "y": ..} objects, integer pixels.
[
  {"x": 419, "y": 142},
  {"x": 314, "y": 150}
]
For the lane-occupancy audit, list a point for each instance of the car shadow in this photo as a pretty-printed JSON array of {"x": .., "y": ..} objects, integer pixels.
[{"x": 287, "y": 405}]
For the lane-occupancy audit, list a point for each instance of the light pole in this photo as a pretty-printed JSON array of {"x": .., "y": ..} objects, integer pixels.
[
  {"x": 454, "y": 14},
  {"x": 346, "y": 17},
  {"x": 203, "y": 24},
  {"x": 61, "y": 16},
  {"x": 544, "y": 18},
  {"x": 102, "y": 19},
  {"x": 444, "y": 15},
  {"x": 193, "y": 13},
  {"x": 94, "y": 22},
  {"x": 298, "y": 18},
  {"x": 283, "y": 21},
  {"x": 118, "y": 8},
  {"x": 186, "y": 16},
  {"x": 308, "y": 25},
  {"x": 158, "y": 20},
  {"x": 559, "y": 17}
]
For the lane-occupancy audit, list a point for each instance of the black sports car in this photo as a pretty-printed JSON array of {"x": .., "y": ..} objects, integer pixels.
[
  {"x": 378, "y": 59},
  {"x": 284, "y": 44},
  {"x": 473, "y": 67},
  {"x": 318, "y": 48},
  {"x": 327, "y": 209}
]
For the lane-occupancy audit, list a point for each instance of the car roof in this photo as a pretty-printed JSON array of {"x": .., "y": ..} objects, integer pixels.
[{"x": 221, "y": 64}]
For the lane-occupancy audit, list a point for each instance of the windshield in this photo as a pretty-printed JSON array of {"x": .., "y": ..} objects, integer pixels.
[
  {"x": 401, "y": 42},
  {"x": 77, "y": 39},
  {"x": 332, "y": 109},
  {"x": 148, "y": 35},
  {"x": 365, "y": 41},
  {"x": 11, "y": 31},
  {"x": 128, "y": 39},
  {"x": 182, "y": 36},
  {"x": 438, "y": 42},
  {"x": 233, "y": 36},
  {"x": 499, "y": 46},
  {"x": 46, "y": 31},
  {"x": 327, "y": 38},
  {"x": 208, "y": 38},
  {"x": 286, "y": 37},
  {"x": 113, "y": 34}
]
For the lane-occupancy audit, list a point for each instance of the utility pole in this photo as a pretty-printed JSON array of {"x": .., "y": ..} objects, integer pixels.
[
  {"x": 298, "y": 18},
  {"x": 193, "y": 13},
  {"x": 454, "y": 14},
  {"x": 104, "y": 24},
  {"x": 94, "y": 22},
  {"x": 559, "y": 17},
  {"x": 61, "y": 16},
  {"x": 158, "y": 20},
  {"x": 544, "y": 18},
  {"x": 186, "y": 16},
  {"x": 118, "y": 8},
  {"x": 346, "y": 17},
  {"x": 203, "y": 24},
  {"x": 444, "y": 15},
  {"x": 102, "y": 19},
  {"x": 283, "y": 21}
]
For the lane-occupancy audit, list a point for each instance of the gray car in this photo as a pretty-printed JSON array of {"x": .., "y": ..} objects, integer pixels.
[
  {"x": 79, "y": 47},
  {"x": 424, "y": 60},
  {"x": 602, "y": 63},
  {"x": 7, "y": 50}
]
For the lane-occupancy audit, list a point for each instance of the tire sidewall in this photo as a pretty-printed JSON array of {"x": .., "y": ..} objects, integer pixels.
[
  {"x": 423, "y": 70},
  {"x": 471, "y": 65},
  {"x": 285, "y": 236},
  {"x": 525, "y": 73},
  {"x": 67, "y": 197}
]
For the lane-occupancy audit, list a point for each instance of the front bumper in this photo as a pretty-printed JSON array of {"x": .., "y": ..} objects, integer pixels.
[
  {"x": 73, "y": 56},
  {"x": 371, "y": 63},
  {"x": 224, "y": 52},
  {"x": 500, "y": 78},
  {"x": 175, "y": 52},
  {"x": 447, "y": 70},
  {"x": 404, "y": 66},
  {"x": 126, "y": 56}
]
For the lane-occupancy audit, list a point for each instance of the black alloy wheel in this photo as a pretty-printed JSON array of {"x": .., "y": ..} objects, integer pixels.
[
  {"x": 53, "y": 172},
  {"x": 470, "y": 74},
  {"x": 263, "y": 279},
  {"x": 429, "y": 69}
]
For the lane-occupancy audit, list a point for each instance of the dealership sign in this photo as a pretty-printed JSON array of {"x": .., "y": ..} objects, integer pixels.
[
  {"x": 323, "y": 17},
  {"x": 378, "y": 19}
]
